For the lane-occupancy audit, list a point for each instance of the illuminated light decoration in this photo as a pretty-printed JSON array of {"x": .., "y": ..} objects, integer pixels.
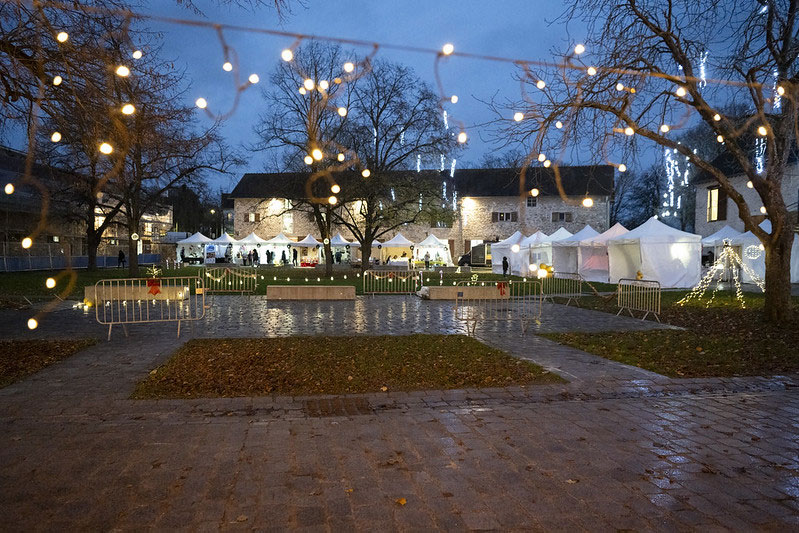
[
  {"x": 202, "y": 103},
  {"x": 591, "y": 71},
  {"x": 366, "y": 173},
  {"x": 628, "y": 131},
  {"x": 534, "y": 192},
  {"x": 122, "y": 71},
  {"x": 452, "y": 168},
  {"x": 442, "y": 163},
  {"x": 588, "y": 202},
  {"x": 579, "y": 49},
  {"x": 455, "y": 198},
  {"x": 446, "y": 121},
  {"x": 703, "y": 69},
  {"x": 518, "y": 116},
  {"x": 57, "y": 80},
  {"x": 402, "y": 138},
  {"x": 664, "y": 128},
  {"x": 515, "y": 248},
  {"x": 27, "y": 242},
  {"x": 128, "y": 109},
  {"x": 49, "y": 283},
  {"x": 760, "y": 155},
  {"x": 32, "y": 323},
  {"x": 559, "y": 124},
  {"x": 542, "y": 272},
  {"x": 761, "y": 130},
  {"x": 726, "y": 259},
  {"x": 780, "y": 90},
  {"x": 681, "y": 92},
  {"x": 716, "y": 117},
  {"x": 632, "y": 90},
  {"x": 420, "y": 203},
  {"x": 303, "y": 91},
  {"x": 324, "y": 85},
  {"x": 308, "y": 160},
  {"x": 335, "y": 189},
  {"x": 62, "y": 37},
  {"x": 418, "y": 163},
  {"x": 106, "y": 148},
  {"x": 622, "y": 168},
  {"x": 454, "y": 99},
  {"x": 462, "y": 137},
  {"x": 541, "y": 84},
  {"x": 342, "y": 111},
  {"x": 137, "y": 54},
  {"x": 533, "y": 267},
  {"x": 254, "y": 78},
  {"x": 9, "y": 188},
  {"x": 447, "y": 49},
  {"x": 349, "y": 67},
  {"x": 340, "y": 157},
  {"x": 763, "y": 209},
  {"x": 55, "y": 137},
  {"x": 720, "y": 138},
  {"x": 776, "y": 103},
  {"x": 332, "y": 200},
  {"x": 750, "y": 185},
  {"x": 620, "y": 86},
  {"x": 317, "y": 154},
  {"x": 308, "y": 84},
  {"x": 542, "y": 157},
  {"x": 547, "y": 163},
  {"x": 753, "y": 251},
  {"x": 227, "y": 66},
  {"x": 394, "y": 196},
  {"x": 287, "y": 54}
]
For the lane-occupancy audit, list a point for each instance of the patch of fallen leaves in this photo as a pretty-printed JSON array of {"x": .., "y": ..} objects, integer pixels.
[{"x": 21, "y": 358}]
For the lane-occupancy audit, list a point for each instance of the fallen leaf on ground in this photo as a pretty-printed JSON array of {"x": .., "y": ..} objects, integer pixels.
[{"x": 401, "y": 501}]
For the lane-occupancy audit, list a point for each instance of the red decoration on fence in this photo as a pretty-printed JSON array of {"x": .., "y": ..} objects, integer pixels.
[{"x": 155, "y": 286}]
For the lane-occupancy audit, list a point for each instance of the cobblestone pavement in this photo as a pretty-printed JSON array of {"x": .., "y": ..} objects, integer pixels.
[{"x": 615, "y": 449}]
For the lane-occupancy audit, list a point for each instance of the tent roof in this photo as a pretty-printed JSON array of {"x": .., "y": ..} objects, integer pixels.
[
  {"x": 559, "y": 235},
  {"x": 574, "y": 240},
  {"x": 516, "y": 238},
  {"x": 252, "y": 238},
  {"x": 398, "y": 241},
  {"x": 280, "y": 239},
  {"x": 654, "y": 231},
  {"x": 197, "y": 238},
  {"x": 535, "y": 238},
  {"x": 225, "y": 239},
  {"x": 309, "y": 241},
  {"x": 603, "y": 238},
  {"x": 338, "y": 240},
  {"x": 431, "y": 241},
  {"x": 718, "y": 238},
  {"x": 749, "y": 237}
]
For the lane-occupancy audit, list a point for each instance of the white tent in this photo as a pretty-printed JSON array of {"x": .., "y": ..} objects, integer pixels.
[
  {"x": 223, "y": 243},
  {"x": 717, "y": 239},
  {"x": 396, "y": 246},
  {"x": 338, "y": 240},
  {"x": 541, "y": 252},
  {"x": 505, "y": 249},
  {"x": 279, "y": 245},
  {"x": 309, "y": 252},
  {"x": 252, "y": 240},
  {"x": 308, "y": 241},
  {"x": 522, "y": 263},
  {"x": 564, "y": 251},
  {"x": 438, "y": 250},
  {"x": 339, "y": 246},
  {"x": 193, "y": 246},
  {"x": 659, "y": 252},
  {"x": 754, "y": 257},
  {"x": 592, "y": 254}
]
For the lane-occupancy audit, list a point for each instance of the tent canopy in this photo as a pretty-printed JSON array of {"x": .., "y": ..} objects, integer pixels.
[
  {"x": 559, "y": 235},
  {"x": 603, "y": 238},
  {"x": 252, "y": 238},
  {"x": 655, "y": 231},
  {"x": 398, "y": 241},
  {"x": 724, "y": 234},
  {"x": 309, "y": 241},
  {"x": 586, "y": 233},
  {"x": 431, "y": 241},
  {"x": 197, "y": 238},
  {"x": 516, "y": 238},
  {"x": 592, "y": 254},
  {"x": 225, "y": 239},
  {"x": 338, "y": 240},
  {"x": 516, "y": 260},
  {"x": 437, "y": 249},
  {"x": 533, "y": 239},
  {"x": 280, "y": 239}
]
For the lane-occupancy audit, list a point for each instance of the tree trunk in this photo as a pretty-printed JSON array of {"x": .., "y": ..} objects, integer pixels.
[
  {"x": 328, "y": 258},
  {"x": 133, "y": 255},
  {"x": 366, "y": 253},
  {"x": 778, "y": 306},
  {"x": 92, "y": 244}
]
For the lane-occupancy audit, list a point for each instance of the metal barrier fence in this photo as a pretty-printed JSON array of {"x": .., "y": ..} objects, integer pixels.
[
  {"x": 498, "y": 300},
  {"x": 230, "y": 279},
  {"x": 568, "y": 285},
  {"x": 639, "y": 295},
  {"x": 143, "y": 300},
  {"x": 55, "y": 256},
  {"x": 391, "y": 281}
]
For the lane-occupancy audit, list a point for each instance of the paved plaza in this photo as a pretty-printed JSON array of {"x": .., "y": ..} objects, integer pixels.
[{"x": 616, "y": 448}]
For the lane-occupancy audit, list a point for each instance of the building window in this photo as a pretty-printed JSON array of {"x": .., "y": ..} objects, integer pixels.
[
  {"x": 561, "y": 216},
  {"x": 504, "y": 217},
  {"x": 716, "y": 205},
  {"x": 56, "y": 238},
  {"x": 532, "y": 201},
  {"x": 148, "y": 228},
  {"x": 254, "y": 217}
]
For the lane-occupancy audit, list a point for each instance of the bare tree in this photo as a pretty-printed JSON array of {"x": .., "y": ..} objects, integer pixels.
[{"x": 645, "y": 67}]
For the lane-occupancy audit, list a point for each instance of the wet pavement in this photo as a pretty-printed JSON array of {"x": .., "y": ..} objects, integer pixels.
[{"x": 616, "y": 448}]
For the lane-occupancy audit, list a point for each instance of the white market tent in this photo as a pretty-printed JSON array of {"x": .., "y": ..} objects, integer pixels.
[
  {"x": 308, "y": 241},
  {"x": 309, "y": 251},
  {"x": 504, "y": 249},
  {"x": 338, "y": 245},
  {"x": 753, "y": 256},
  {"x": 397, "y": 245},
  {"x": 659, "y": 252},
  {"x": 592, "y": 254},
  {"x": 339, "y": 241},
  {"x": 193, "y": 246},
  {"x": 564, "y": 251},
  {"x": 278, "y": 245},
  {"x": 717, "y": 239},
  {"x": 222, "y": 242},
  {"x": 523, "y": 262},
  {"x": 541, "y": 252},
  {"x": 438, "y": 250}
]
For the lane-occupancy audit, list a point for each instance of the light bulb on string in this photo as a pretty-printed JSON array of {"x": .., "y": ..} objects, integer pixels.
[
  {"x": 137, "y": 54},
  {"x": 664, "y": 128},
  {"x": 780, "y": 90},
  {"x": 763, "y": 209},
  {"x": 32, "y": 323},
  {"x": 49, "y": 283},
  {"x": 332, "y": 200},
  {"x": 254, "y": 78},
  {"x": 309, "y": 84},
  {"x": 366, "y": 173},
  {"x": 340, "y": 157},
  {"x": 62, "y": 37},
  {"x": 541, "y": 84},
  {"x": 547, "y": 163},
  {"x": 559, "y": 124},
  {"x": 454, "y": 99},
  {"x": 27, "y": 242},
  {"x": 335, "y": 189},
  {"x": 122, "y": 71},
  {"x": 106, "y": 148},
  {"x": 579, "y": 49},
  {"x": 349, "y": 67},
  {"x": 324, "y": 85},
  {"x": 303, "y": 91},
  {"x": 317, "y": 154},
  {"x": 227, "y": 66},
  {"x": 542, "y": 157},
  {"x": 761, "y": 130},
  {"x": 716, "y": 117},
  {"x": 534, "y": 192},
  {"x": 128, "y": 109},
  {"x": 591, "y": 71},
  {"x": 342, "y": 111},
  {"x": 308, "y": 160},
  {"x": 628, "y": 131},
  {"x": 518, "y": 116},
  {"x": 447, "y": 49},
  {"x": 287, "y": 54},
  {"x": 462, "y": 137},
  {"x": 620, "y": 86},
  {"x": 750, "y": 185},
  {"x": 9, "y": 188},
  {"x": 201, "y": 103},
  {"x": 681, "y": 91},
  {"x": 57, "y": 80},
  {"x": 622, "y": 168},
  {"x": 55, "y": 137},
  {"x": 588, "y": 202},
  {"x": 720, "y": 138}
]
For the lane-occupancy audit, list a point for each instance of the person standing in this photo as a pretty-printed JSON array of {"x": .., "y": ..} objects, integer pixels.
[
  {"x": 255, "y": 259},
  {"x": 505, "y": 266},
  {"x": 121, "y": 259},
  {"x": 294, "y": 257},
  {"x": 427, "y": 260}
]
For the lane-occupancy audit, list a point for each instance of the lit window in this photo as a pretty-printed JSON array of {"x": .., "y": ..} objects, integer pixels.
[
  {"x": 252, "y": 217},
  {"x": 712, "y": 205}
]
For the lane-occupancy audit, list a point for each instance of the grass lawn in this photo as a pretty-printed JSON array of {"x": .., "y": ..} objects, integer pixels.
[
  {"x": 335, "y": 365},
  {"x": 21, "y": 358},
  {"x": 720, "y": 339}
]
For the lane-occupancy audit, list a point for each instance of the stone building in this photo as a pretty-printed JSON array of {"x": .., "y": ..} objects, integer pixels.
[{"x": 490, "y": 204}]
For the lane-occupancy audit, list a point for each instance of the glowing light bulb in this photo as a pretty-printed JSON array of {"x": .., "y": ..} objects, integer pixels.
[
  {"x": 579, "y": 49},
  {"x": 761, "y": 130},
  {"x": 349, "y": 66},
  {"x": 533, "y": 267},
  {"x": 137, "y": 54},
  {"x": 591, "y": 71},
  {"x": 57, "y": 80},
  {"x": 27, "y": 242},
  {"x": 763, "y": 209},
  {"x": 62, "y": 37},
  {"x": 340, "y": 157},
  {"x": 123, "y": 71},
  {"x": 106, "y": 148},
  {"x": 620, "y": 86},
  {"x": 342, "y": 111},
  {"x": 55, "y": 137},
  {"x": 128, "y": 109},
  {"x": 534, "y": 192},
  {"x": 515, "y": 248},
  {"x": 335, "y": 189},
  {"x": 542, "y": 272},
  {"x": 559, "y": 124},
  {"x": 287, "y": 54},
  {"x": 622, "y": 168},
  {"x": 332, "y": 200},
  {"x": 366, "y": 173},
  {"x": 33, "y": 323},
  {"x": 308, "y": 84},
  {"x": 518, "y": 116},
  {"x": 542, "y": 157},
  {"x": 302, "y": 90},
  {"x": 541, "y": 84},
  {"x": 547, "y": 163},
  {"x": 719, "y": 138},
  {"x": 9, "y": 189},
  {"x": 681, "y": 91},
  {"x": 254, "y": 78},
  {"x": 664, "y": 128},
  {"x": 317, "y": 154},
  {"x": 750, "y": 185},
  {"x": 308, "y": 160},
  {"x": 49, "y": 283},
  {"x": 447, "y": 49},
  {"x": 716, "y": 117},
  {"x": 588, "y": 202},
  {"x": 780, "y": 90},
  {"x": 628, "y": 131},
  {"x": 462, "y": 137},
  {"x": 227, "y": 66},
  {"x": 454, "y": 99},
  {"x": 323, "y": 85},
  {"x": 201, "y": 103}
]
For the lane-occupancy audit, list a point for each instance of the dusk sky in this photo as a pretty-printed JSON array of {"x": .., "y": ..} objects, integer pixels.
[{"x": 518, "y": 29}]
